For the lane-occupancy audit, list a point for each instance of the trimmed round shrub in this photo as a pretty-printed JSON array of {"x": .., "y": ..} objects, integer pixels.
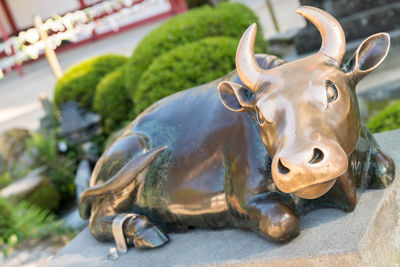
[
  {"x": 184, "y": 67},
  {"x": 386, "y": 120},
  {"x": 112, "y": 101},
  {"x": 227, "y": 19},
  {"x": 197, "y": 3},
  {"x": 79, "y": 82}
]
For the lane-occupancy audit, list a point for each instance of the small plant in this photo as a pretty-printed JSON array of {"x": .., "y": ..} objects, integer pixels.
[
  {"x": 60, "y": 168},
  {"x": 5, "y": 179},
  {"x": 386, "y": 120},
  {"x": 24, "y": 221}
]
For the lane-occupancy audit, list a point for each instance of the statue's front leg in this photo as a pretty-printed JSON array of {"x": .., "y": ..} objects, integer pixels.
[
  {"x": 343, "y": 194},
  {"x": 273, "y": 217},
  {"x": 381, "y": 170}
]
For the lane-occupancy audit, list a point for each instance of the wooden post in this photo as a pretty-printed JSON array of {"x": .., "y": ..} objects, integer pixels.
[
  {"x": 9, "y": 16},
  {"x": 82, "y": 4},
  {"x": 272, "y": 13},
  {"x": 49, "y": 52}
]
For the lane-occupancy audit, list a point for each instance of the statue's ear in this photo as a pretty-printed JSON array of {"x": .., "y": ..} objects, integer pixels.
[
  {"x": 235, "y": 96},
  {"x": 369, "y": 55}
]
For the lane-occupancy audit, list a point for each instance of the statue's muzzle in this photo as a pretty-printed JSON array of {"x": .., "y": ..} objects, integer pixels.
[{"x": 308, "y": 171}]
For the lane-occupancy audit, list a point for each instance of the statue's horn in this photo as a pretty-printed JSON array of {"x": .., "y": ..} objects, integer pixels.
[
  {"x": 246, "y": 64},
  {"x": 333, "y": 40}
]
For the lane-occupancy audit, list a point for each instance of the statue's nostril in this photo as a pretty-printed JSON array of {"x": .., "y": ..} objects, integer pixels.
[
  {"x": 282, "y": 169},
  {"x": 318, "y": 155}
]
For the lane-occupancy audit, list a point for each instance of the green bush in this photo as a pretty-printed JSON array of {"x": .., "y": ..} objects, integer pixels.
[
  {"x": 386, "y": 120},
  {"x": 112, "y": 101},
  {"x": 184, "y": 67},
  {"x": 197, "y": 3},
  {"x": 79, "y": 82},
  {"x": 227, "y": 19}
]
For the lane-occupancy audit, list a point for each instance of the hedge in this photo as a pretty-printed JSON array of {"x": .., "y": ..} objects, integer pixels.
[
  {"x": 79, "y": 82},
  {"x": 184, "y": 67},
  {"x": 386, "y": 120},
  {"x": 227, "y": 19},
  {"x": 112, "y": 102}
]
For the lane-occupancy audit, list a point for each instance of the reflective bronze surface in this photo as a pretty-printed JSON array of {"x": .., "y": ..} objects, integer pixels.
[{"x": 254, "y": 150}]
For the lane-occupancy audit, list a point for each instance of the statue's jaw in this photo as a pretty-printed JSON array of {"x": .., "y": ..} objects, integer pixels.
[{"x": 315, "y": 191}]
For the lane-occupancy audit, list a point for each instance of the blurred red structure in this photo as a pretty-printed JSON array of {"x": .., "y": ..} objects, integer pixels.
[{"x": 7, "y": 49}]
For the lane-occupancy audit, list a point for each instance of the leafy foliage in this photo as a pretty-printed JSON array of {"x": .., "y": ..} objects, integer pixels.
[
  {"x": 26, "y": 221},
  {"x": 386, "y": 120},
  {"x": 60, "y": 168},
  {"x": 227, "y": 19},
  {"x": 112, "y": 102},
  {"x": 184, "y": 67},
  {"x": 79, "y": 82},
  {"x": 5, "y": 179}
]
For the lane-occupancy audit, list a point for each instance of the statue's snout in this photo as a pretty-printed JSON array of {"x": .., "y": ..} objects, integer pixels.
[{"x": 308, "y": 171}]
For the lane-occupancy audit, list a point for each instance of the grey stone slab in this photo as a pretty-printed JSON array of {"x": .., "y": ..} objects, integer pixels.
[
  {"x": 342, "y": 8},
  {"x": 356, "y": 26},
  {"x": 369, "y": 236}
]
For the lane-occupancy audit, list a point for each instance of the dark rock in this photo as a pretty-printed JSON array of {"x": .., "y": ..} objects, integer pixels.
[
  {"x": 14, "y": 156},
  {"x": 24, "y": 187},
  {"x": 343, "y": 8},
  {"x": 77, "y": 124},
  {"x": 49, "y": 121}
]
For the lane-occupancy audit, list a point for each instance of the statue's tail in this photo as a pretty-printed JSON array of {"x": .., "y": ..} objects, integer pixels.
[{"x": 124, "y": 176}]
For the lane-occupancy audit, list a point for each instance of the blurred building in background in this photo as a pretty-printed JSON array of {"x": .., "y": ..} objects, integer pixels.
[{"x": 70, "y": 23}]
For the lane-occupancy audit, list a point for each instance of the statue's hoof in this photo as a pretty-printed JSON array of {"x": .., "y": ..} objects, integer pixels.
[
  {"x": 150, "y": 238},
  {"x": 143, "y": 234},
  {"x": 281, "y": 226}
]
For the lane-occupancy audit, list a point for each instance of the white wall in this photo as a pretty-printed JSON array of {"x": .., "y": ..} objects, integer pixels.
[
  {"x": 283, "y": 10},
  {"x": 24, "y": 10}
]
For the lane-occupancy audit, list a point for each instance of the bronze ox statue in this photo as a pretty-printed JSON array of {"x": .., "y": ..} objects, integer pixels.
[{"x": 271, "y": 142}]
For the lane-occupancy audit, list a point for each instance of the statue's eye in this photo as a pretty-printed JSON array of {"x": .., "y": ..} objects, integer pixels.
[
  {"x": 331, "y": 91},
  {"x": 259, "y": 116}
]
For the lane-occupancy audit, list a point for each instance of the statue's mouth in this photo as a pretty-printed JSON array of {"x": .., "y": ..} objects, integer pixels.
[{"x": 315, "y": 191}]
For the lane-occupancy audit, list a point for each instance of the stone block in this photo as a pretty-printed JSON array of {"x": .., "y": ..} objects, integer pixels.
[
  {"x": 368, "y": 236},
  {"x": 25, "y": 186},
  {"x": 343, "y": 8},
  {"x": 356, "y": 26}
]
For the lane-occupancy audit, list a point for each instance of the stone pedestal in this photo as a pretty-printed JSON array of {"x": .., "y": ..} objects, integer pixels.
[
  {"x": 359, "y": 19},
  {"x": 369, "y": 236}
]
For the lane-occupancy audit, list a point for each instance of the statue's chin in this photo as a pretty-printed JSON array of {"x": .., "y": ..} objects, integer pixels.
[{"x": 315, "y": 191}]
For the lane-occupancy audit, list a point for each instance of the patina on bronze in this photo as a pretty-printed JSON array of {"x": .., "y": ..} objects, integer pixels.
[{"x": 271, "y": 142}]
